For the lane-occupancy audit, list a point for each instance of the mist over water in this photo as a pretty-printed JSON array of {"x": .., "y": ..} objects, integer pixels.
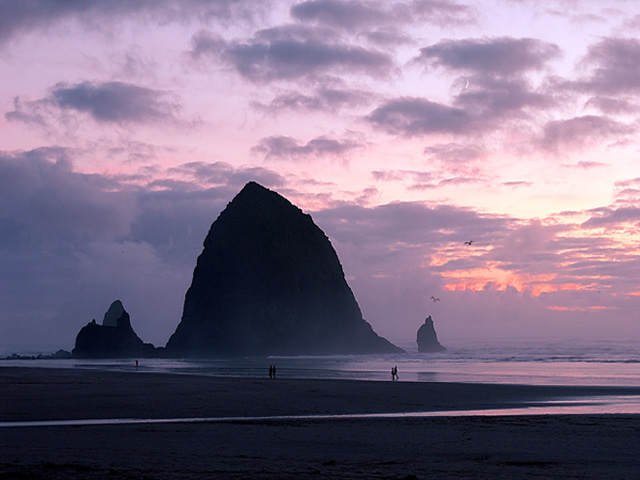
[{"x": 534, "y": 362}]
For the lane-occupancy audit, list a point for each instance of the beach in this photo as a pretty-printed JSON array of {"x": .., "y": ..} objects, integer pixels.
[{"x": 255, "y": 428}]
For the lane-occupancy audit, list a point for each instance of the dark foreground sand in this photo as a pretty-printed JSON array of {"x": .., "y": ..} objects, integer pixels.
[{"x": 508, "y": 447}]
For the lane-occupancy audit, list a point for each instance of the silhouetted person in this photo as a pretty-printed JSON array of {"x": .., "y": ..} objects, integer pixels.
[
  {"x": 270, "y": 371},
  {"x": 395, "y": 372}
]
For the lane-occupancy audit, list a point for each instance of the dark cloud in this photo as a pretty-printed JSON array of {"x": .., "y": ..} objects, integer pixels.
[
  {"x": 417, "y": 116},
  {"x": 109, "y": 102},
  {"x": 361, "y": 14},
  {"x": 388, "y": 38},
  {"x": 322, "y": 99},
  {"x": 454, "y": 153},
  {"x": 613, "y": 106},
  {"x": 580, "y": 132},
  {"x": 614, "y": 68},
  {"x": 409, "y": 223},
  {"x": 21, "y": 17},
  {"x": 115, "y": 102},
  {"x": 289, "y": 148},
  {"x": 201, "y": 174},
  {"x": 611, "y": 217},
  {"x": 291, "y": 52},
  {"x": 503, "y": 56},
  {"x": 493, "y": 99}
]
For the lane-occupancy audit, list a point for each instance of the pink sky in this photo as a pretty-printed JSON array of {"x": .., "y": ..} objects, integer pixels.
[{"x": 404, "y": 128}]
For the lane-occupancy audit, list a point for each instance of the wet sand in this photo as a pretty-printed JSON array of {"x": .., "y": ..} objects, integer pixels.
[{"x": 555, "y": 446}]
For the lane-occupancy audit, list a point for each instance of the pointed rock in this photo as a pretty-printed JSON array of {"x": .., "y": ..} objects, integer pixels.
[
  {"x": 269, "y": 282},
  {"x": 427, "y": 338},
  {"x": 115, "y": 338}
]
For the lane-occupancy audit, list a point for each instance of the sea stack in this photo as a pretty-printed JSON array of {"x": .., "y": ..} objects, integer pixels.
[
  {"x": 269, "y": 282},
  {"x": 115, "y": 338},
  {"x": 427, "y": 338}
]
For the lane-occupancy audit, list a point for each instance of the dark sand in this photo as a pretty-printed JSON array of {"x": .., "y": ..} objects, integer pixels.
[{"x": 504, "y": 447}]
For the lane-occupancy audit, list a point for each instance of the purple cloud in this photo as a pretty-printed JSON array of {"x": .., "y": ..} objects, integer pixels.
[
  {"x": 503, "y": 56},
  {"x": 614, "y": 68},
  {"x": 288, "y": 148},
  {"x": 109, "y": 102},
  {"x": 579, "y": 132},
  {"x": 322, "y": 99},
  {"x": 360, "y": 14},
  {"x": 417, "y": 116},
  {"x": 290, "y": 52},
  {"x": 21, "y": 17}
]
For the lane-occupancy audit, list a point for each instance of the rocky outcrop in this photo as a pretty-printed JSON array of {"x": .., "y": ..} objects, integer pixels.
[
  {"x": 269, "y": 282},
  {"x": 427, "y": 338},
  {"x": 114, "y": 338}
]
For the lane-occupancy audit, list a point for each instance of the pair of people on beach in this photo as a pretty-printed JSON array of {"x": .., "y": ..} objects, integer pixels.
[
  {"x": 394, "y": 373},
  {"x": 272, "y": 371}
]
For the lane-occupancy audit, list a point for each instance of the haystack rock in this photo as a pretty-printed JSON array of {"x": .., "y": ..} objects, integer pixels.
[
  {"x": 269, "y": 282},
  {"x": 427, "y": 338},
  {"x": 114, "y": 338}
]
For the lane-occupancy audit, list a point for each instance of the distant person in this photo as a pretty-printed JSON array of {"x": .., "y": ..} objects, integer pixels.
[
  {"x": 395, "y": 372},
  {"x": 270, "y": 371},
  {"x": 136, "y": 363}
]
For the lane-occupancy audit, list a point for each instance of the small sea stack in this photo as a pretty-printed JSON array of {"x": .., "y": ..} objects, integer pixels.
[
  {"x": 427, "y": 338},
  {"x": 115, "y": 338}
]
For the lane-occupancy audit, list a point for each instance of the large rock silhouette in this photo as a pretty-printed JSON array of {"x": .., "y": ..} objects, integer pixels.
[
  {"x": 114, "y": 338},
  {"x": 269, "y": 282},
  {"x": 427, "y": 339}
]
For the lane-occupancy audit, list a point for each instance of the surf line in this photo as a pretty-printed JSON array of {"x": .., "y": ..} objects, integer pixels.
[{"x": 577, "y": 408}]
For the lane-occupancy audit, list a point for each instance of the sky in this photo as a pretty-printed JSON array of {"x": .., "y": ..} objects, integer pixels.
[{"x": 405, "y": 128}]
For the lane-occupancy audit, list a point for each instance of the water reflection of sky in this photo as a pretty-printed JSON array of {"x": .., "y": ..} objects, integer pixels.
[{"x": 602, "y": 405}]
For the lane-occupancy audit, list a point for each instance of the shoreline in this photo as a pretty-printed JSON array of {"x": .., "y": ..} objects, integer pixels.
[{"x": 271, "y": 445}]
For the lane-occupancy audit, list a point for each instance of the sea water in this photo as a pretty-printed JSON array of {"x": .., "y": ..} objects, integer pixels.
[{"x": 532, "y": 362}]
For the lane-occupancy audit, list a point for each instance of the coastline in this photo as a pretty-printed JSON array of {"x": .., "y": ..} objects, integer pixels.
[{"x": 567, "y": 446}]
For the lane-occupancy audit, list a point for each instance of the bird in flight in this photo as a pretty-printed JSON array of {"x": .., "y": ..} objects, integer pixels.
[
  {"x": 470, "y": 242},
  {"x": 435, "y": 299}
]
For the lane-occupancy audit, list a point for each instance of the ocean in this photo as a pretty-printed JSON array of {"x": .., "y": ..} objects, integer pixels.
[{"x": 532, "y": 362}]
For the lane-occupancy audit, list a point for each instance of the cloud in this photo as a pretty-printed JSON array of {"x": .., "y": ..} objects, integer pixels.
[
  {"x": 326, "y": 99},
  {"x": 289, "y": 148},
  {"x": 503, "y": 56},
  {"x": 108, "y": 102},
  {"x": 354, "y": 14},
  {"x": 613, "y": 106},
  {"x": 493, "y": 99},
  {"x": 614, "y": 68},
  {"x": 71, "y": 243},
  {"x": 579, "y": 132},
  {"x": 17, "y": 18},
  {"x": 291, "y": 52},
  {"x": 612, "y": 217},
  {"x": 115, "y": 101},
  {"x": 410, "y": 116}
]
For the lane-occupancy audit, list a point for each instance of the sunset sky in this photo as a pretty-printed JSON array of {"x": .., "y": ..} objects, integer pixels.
[{"x": 404, "y": 128}]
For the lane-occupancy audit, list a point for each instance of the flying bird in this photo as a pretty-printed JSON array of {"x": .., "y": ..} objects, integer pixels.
[
  {"x": 435, "y": 299},
  {"x": 470, "y": 242}
]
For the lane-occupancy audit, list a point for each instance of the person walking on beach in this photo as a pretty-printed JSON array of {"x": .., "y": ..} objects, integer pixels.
[
  {"x": 270, "y": 371},
  {"x": 395, "y": 371}
]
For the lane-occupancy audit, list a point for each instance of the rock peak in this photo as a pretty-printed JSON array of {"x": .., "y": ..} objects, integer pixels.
[
  {"x": 269, "y": 282},
  {"x": 115, "y": 312},
  {"x": 427, "y": 338}
]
